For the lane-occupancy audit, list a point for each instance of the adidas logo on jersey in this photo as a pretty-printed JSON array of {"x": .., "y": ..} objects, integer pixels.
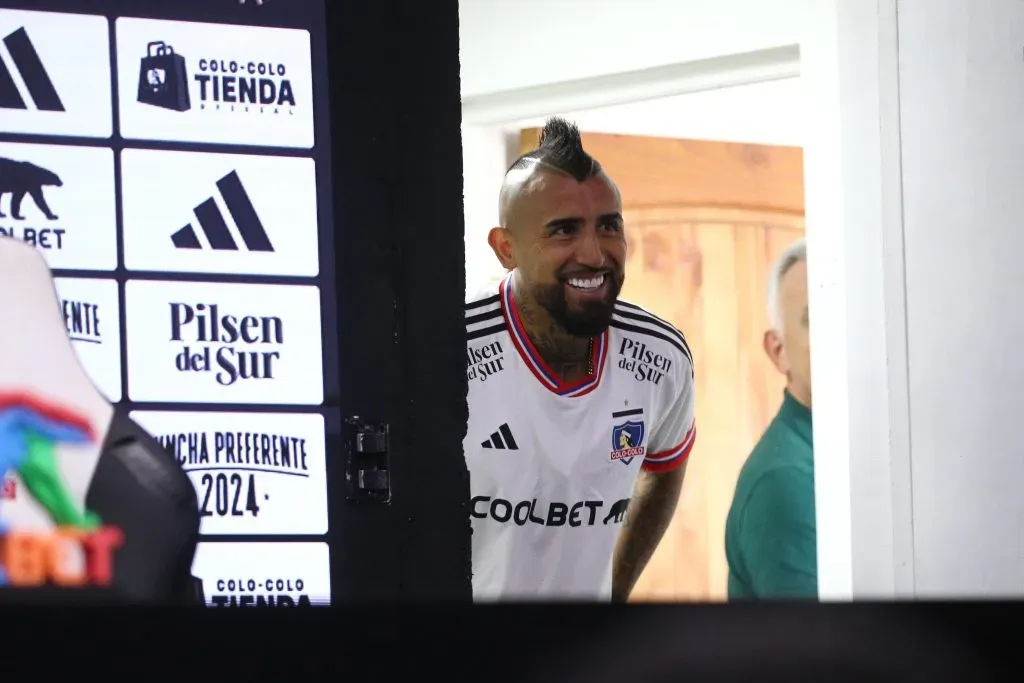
[{"x": 501, "y": 439}]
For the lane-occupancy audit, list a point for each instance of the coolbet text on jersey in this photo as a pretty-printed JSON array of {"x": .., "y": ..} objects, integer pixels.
[{"x": 552, "y": 466}]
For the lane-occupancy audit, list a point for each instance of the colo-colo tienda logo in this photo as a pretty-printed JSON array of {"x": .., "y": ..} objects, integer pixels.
[
  {"x": 268, "y": 591},
  {"x": 232, "y": 347},
  {"x": 82, "y": 320},
  {"x": 230, "y": 462},
  {"x": 20, "y": 180},
  {"x": 225, "y": 83},
  {"x": 26, "y": 63}
]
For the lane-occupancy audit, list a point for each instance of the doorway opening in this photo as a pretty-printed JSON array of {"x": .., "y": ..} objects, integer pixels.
[{"x": 712, "y": 189}]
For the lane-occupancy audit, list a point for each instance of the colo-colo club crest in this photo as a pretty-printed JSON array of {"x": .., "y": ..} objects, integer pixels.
[{"x": 628, "y": 441}]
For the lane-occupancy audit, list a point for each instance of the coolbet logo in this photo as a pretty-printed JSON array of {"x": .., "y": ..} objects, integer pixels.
[
  {"x": 66, "y": 557},
  {"x": 215, "y": 228},
  {"x": 79, "y": 550},
  {"x": 628, "y": 436},
  {"x": 646, "y": 365},
  {"x": 230, "y": 462},
  {"x": 222, "y": 343},
  {"x": 260, "y": 592},
  {"x": 82, "y": 320},
  {"x": 20, "y": 179},
  {"x": 582, "y": 513},
  {"x": 219, "y": 83},
  {"x": 26, "y": 63},
  {"x": 485, "y": 361}
]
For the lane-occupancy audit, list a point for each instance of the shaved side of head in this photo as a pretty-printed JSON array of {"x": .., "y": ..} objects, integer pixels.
[
  {"x": 517, "y": 186},
  {"x": 559, "y": 151}
]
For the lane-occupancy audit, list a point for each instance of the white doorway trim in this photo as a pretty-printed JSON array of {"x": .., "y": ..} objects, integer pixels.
[
  {"x": 633, "y": 86},
  {"x": 846, "y": 61}
]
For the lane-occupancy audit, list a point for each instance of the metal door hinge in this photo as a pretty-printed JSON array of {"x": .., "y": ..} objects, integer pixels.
[{"x": 367, "y": 468}]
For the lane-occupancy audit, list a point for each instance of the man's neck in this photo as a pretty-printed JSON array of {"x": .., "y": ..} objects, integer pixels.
[
  {"x": 800, "y": 395},
  {"x": 565, "y": 354}
]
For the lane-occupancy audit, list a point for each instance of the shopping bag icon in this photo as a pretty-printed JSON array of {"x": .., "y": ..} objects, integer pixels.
[{"x": 163, "y": 80}]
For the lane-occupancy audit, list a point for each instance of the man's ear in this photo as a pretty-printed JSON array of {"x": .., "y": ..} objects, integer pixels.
[
  {"x": 501, "y": 243},
  {"x": 776, "y": 351}
]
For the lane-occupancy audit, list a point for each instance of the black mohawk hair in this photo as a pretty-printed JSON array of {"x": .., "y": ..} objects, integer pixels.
[{"x": 561, "y": 147}]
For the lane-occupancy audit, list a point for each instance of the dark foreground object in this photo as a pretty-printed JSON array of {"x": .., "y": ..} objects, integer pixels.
[{"x": 785, "y": 642}]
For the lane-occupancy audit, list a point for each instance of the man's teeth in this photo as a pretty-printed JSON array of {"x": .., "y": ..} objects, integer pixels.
[{"x": 587, "y": 283}]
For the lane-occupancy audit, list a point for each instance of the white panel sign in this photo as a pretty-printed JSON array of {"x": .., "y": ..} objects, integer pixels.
[
  {"x": 219, "y": 213},
  {"x": 55, "y": 74},
  {"x": 264, "y": 574},
  {"x": 254, "y": 473},
  {"x": 194, "y": 82},
  {"x": 91, "y": 310},
  {"x": 199, "y": 342},
  {"x": 61, "y": 200}
]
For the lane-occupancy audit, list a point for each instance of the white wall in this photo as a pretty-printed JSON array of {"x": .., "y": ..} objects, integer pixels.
[
  {"x": 511, "y": 44},
  {"x": 485, "y": 151},
  {"x": 962, "y": 102},
  {"x": 769, "y": 113}
]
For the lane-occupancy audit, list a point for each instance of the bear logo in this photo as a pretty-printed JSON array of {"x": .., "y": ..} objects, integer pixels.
[
  {"x": 617, "y": 512},
  {"x": 20, "y": 178}
]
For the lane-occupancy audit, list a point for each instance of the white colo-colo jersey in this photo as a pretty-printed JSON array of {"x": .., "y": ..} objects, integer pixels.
[{"x": 552, "y": 466}]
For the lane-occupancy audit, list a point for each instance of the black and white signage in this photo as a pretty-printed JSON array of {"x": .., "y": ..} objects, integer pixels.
[
  {"x": 195, "y": 82},
  {"x": 92, "y": 315},
  {"x": 179, "y": 200},
  {"x": 264, "y": 574},
  {"x": 61, "y": 200},
  {"x": 55, "y": 74},
  {"x": 194, "y": 342},
  {"x": 219, "y": 213},
  {"x": 256, "y": 473}
]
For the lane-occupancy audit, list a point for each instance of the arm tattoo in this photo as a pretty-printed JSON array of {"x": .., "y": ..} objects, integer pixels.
[{"x": 648, "y": 516}]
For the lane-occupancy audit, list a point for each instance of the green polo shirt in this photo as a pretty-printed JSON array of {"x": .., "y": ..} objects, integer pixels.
[{"x": 770, "y": 538}]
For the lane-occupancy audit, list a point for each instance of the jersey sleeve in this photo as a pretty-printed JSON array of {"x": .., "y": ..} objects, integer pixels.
[
  {"x": 778, "y": 538},
  {"x": 674, "y": 435}
]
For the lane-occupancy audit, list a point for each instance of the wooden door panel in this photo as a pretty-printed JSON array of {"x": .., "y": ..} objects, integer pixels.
[
  {"x": 705, "y": 270},
  {"x": 663, "y": 172}
]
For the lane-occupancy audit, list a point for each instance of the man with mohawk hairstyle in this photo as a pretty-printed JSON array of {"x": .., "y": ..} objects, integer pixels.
[{"x": 581, "y": 406}]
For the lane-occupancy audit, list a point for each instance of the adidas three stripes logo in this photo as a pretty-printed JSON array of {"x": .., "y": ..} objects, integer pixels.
[
  {"x": 501, "y": 439},
  {"x": 29, "y": 67},
  {"x": 215, "y": 228}
]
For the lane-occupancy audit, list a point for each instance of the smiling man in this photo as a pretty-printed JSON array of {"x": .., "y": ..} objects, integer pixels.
[{"x": 580, "y": 405}]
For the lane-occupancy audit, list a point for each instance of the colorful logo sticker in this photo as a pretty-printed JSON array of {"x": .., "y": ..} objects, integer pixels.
[{"x": 30, "y": 433}]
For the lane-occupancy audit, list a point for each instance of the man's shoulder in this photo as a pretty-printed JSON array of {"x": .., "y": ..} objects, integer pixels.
[
  {"x": 774, "y": 466},
  {"x": 484, "y": 316},
  {"x": 780, "y": 445},
  {"x": 641, "y": 332}
]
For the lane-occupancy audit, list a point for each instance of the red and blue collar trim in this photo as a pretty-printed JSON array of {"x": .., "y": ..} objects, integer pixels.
[{"x": 533, "y": 360}]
